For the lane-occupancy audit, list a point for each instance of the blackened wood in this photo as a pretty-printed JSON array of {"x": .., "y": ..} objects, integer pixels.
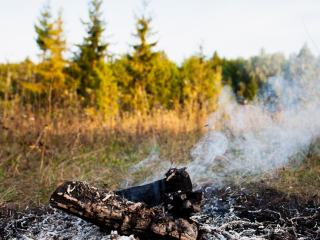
[
  {"x": 154, "y": 193},
  {"x": 106, "y": 209},
  {"x": 184, "y": 204}
]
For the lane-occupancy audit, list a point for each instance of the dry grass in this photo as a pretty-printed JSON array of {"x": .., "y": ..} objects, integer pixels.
[
  {"x": 298, "y": 179},
  {"x": 37, "y": 153},
  {"x": 301, "y": 179}
]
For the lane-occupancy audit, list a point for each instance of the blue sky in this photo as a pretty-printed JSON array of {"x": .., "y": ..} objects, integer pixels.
[{"x": 233, "y": 28}]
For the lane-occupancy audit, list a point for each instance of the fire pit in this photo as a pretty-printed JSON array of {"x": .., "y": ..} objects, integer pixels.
[
  {"x": 158, "y": 210},
  {"x": 223, "y": 213}
]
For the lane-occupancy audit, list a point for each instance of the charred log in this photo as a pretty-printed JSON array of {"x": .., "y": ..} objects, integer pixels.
[
  {"x": 183, "y": 204},
  {"x": 112, "y": 211},
  {"x": 106, "y": 209},
  {"x": 155, "y": 193}
]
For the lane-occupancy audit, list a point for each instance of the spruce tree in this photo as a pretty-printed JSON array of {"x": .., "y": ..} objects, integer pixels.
[
  {"x": 216, "y": 61},
  {"x": 97, "y": 83},
  {"x": 92, "y": 50},
  {"x": 50, "y": 70},
  {"x": 264, "y": 65},
  {"x": 165, "y": 83},
  {"x": 44, "y": 28},
  {"x": 139, "y": 66},
  {"x": 146, "y": 78},
  {"x": 236, "y": 74},
  {"x": 201, "y": 82}
]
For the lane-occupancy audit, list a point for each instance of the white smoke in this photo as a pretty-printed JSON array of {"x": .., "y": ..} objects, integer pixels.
[{"x": 279, "y": 125}]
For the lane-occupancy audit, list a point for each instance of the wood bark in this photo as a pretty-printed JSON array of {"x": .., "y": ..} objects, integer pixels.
[{"x": 168, "y": 220}]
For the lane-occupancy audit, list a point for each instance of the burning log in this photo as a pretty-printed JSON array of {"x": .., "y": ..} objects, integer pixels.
[{"x": 127, "y": 212}]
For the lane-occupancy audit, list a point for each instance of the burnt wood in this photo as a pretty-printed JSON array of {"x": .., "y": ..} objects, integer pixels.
[
  {"x": 183, "y": 204},
  {"x": 111, "y": 211},
  {"x": 154, "y": 193},
  {"x": 158, "y": 210}
]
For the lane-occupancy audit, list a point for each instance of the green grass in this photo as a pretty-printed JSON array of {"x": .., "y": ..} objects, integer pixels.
[{"x": 301, "y": 179}]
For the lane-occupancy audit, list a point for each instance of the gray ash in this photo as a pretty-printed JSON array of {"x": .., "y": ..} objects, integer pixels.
[
  {"x": 237, "y": 214},
  {"x": 49, "y": 223},
  {"x": 227, "y": 213}
]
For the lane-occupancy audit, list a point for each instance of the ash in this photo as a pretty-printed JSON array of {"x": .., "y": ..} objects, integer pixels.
[
  {"x": 50, "y": 223},
  {"x": 227, "y": 213},
  {"x": 237, "y": 214}
]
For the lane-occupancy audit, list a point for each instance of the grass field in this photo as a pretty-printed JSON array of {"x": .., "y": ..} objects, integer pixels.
[{"x": 38, "y": 153}]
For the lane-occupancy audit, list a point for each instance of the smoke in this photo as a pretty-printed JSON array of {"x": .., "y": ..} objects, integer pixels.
[{"x": 278, "y": 126}]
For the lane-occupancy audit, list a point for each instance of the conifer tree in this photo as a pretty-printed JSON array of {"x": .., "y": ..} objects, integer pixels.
[
  {"x": 92, "y": 50},
  {"x": 50, "y": 70},
  {"x": 164, "y": 83},
  {"x": 236, "y": 74},
  {"x": 264, "y": 65},
  {"x": 303, "y": 66},
  {"x": 140, "y": 83},
  {"x": 201, "y": 82},
  {"x": 216, "y": 60},
  {"x": 44, "y": 28},
  {"x": 97, "y": 83},
  {"x": 26, "y": 77}
]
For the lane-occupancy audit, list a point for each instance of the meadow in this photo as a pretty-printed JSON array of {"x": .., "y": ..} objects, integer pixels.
[{"x": 37, "y": 152}]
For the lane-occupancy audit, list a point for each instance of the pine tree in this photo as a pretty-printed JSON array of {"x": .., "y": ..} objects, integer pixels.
[
  {"x": 263, "y": 66},
  {"x": 92, "y": 50},
  {"x": 216, "y": 61},
  {"x": 236, "y": 74},
  {"x": 140, "y": 68},
  {"x": 165, "y": 83},
  {"x": 97, "y": 83},
  {"x": 44, "y": 28},
  {"x": 201, "y": 82},
  {"x": 51, "y": 69}
]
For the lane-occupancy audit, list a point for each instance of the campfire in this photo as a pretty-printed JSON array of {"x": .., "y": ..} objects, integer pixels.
[
  {"x": 172, "y": 210},
  {"x": 158, "y": 210}
]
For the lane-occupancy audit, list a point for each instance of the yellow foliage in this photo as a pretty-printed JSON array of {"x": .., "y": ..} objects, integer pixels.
[
  {"x": 34, "y": 148},
  {"x": 35, "y": 87}
]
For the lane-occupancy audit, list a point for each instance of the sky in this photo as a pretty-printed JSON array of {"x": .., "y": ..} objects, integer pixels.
[{"x": 233, "y": 28}]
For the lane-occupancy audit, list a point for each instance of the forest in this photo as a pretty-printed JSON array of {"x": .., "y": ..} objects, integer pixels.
[{"x": 138, "y": 82}]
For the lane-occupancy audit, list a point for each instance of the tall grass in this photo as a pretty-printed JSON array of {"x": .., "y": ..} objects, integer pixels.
[{"x": 38, "y": 151}]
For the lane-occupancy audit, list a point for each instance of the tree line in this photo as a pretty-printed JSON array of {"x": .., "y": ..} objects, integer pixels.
[{"x": 136, "y": 82}]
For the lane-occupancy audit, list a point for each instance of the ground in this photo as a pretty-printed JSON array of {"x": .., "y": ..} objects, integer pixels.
[{"x": 37, "y": 154}]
